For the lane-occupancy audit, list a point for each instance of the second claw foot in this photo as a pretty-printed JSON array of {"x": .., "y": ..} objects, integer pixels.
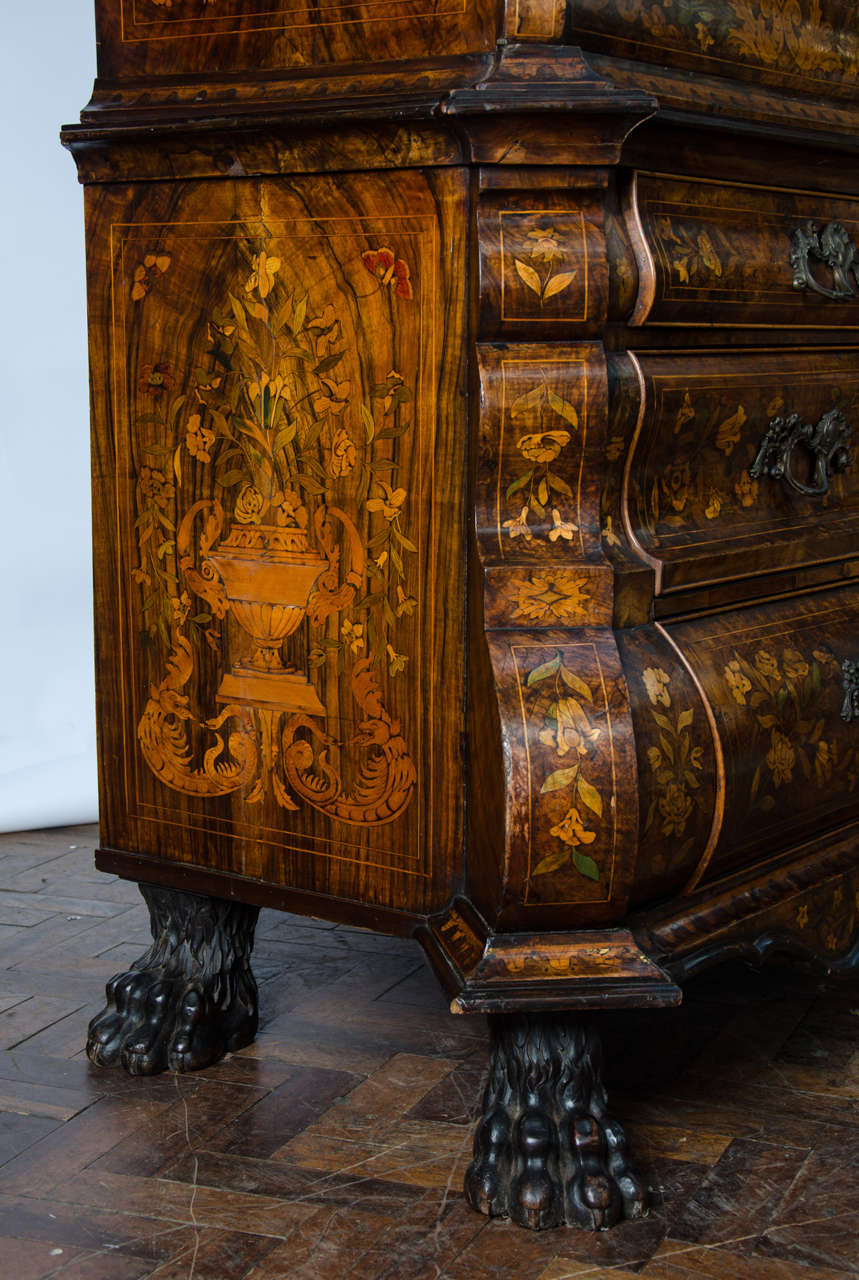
[{"x": 546, "y": 1152}]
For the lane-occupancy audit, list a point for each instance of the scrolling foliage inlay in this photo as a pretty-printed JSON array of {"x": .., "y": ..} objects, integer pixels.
[
  {"x": 794, "y": 735},
  {"x": 810, "y": 43},
  {"x": 277, "y": 530},
  {"x": 775, "y": 678}
]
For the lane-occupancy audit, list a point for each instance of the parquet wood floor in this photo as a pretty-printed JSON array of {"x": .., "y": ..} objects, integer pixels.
[{"x": 334, "y": 1147}]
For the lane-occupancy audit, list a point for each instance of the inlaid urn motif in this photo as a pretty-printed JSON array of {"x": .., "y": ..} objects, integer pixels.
[{"x": 268, "y": 574}]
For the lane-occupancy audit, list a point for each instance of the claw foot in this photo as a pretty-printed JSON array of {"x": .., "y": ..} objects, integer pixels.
[
  {"x": 545, "y": 1151},
  {"x": 191, "y": 998}
]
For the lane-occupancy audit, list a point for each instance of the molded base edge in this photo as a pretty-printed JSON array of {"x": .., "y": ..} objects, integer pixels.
[
  {"x": 499, "y": 973},
  {"x": 804, "y": 903}
]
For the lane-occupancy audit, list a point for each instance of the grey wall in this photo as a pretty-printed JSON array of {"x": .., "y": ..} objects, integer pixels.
[{"x": 47, "y": 732}]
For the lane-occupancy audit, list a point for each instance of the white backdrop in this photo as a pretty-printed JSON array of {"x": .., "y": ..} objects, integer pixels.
[{"x": 47, "y": 726}]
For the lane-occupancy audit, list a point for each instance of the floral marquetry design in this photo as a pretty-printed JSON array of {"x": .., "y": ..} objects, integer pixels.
[
  {"x": 539, "y": 487},
  {"x": 805, "y": 44},
  {"x": 539, "y": 273},
  {"x": 543, "y": 265},
  {"x": 276, "y": 470},
  {"x": 535, "y": 434},
  {"x": 548, "y": 597},
  {"x": 690, "y": 250},
  {"x": 552, "y": 596},
  {"x": 389, "y": 270},
  {"x": 276, "y": 424},
  {"x": 788, "y": 693},
  {"x": 676, "y": 763},
  {"x": 699, "y": 496},
  {"x": 569, "y": 732},
  {"x": 277, "y": 445},
  {"x": 711, "y": 253},
  {"x": 678, "y": 767},
  {"x": 147, "y": 272},
  {"x": 827, "y": 919},
  {"x": 568, "y": 698},
  {"x": 773, "y": 675}
]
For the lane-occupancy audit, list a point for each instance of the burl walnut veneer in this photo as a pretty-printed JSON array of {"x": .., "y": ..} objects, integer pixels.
[{"x": 475, "y": 397}]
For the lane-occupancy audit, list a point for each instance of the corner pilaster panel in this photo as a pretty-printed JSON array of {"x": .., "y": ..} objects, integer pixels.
[{"x": 559, "y": 827}]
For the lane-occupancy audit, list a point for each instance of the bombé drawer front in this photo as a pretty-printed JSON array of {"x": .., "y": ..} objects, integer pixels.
[
  {"x": 782, "y": 681},
  {"x": 715, "y": 253},
  {"x": 739, "y": 464}
]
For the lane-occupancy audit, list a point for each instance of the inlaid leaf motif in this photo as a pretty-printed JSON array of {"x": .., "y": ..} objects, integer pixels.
[
  {"x": 728, "y": 432},
  {"x": 585, "y": 865},
  {"x": 576, "y": 683},
  {"x": 560, "y": 778},
  {"x": 675, "y": 762},
  {"x": 589, "y": 796},
  {"x": 556, "y": 284},
  {"x": 564, "y": 408},
  {"x": 544, "y": 671},
  {"x": 528, "y": 276},
  {"x": 789, "y": 696},
  {"x": 551, "y": 862}
]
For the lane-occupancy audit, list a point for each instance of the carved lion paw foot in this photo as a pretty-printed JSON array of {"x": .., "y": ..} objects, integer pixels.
[
  {"x": 545, "y": 1151},
  {"x": 153, "y": 1023},
  {"x": 191, "y": 998}
]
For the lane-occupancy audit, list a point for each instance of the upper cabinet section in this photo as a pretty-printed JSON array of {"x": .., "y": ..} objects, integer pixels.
[
  {"x": 212, "y": 37},
  {"x": 803, "y": 46}
]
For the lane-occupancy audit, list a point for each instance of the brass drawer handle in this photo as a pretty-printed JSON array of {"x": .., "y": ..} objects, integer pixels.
[
  {"x": 831, "y": 246},
  {"x": 850, "y": 705},
  {"x": 828, "y": 442}
]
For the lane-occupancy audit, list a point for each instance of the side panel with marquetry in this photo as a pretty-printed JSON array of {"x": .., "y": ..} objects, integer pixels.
[{"x": 278, "y": 509}]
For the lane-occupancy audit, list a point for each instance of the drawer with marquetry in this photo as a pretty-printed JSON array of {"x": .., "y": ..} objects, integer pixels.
[
  {"x": 736, "y": 465},
  {"x": 739, "y": 255},
  {"x": 766, "y": 755}
]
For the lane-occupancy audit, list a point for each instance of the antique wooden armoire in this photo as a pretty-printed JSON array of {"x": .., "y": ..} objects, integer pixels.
[{"x": 475, "y": 395}]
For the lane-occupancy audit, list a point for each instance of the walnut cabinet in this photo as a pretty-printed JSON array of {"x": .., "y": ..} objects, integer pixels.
[{"x": 475, "y": 410}]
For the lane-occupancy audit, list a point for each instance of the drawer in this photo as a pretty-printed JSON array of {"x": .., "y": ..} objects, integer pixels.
[
  {"x": 712, "y": 253},
  {"x": 783, "y": 684},
  {"x": 702, "y": 499}
]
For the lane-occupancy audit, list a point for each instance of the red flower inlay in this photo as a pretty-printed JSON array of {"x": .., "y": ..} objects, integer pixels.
[
  {"x": 155, "y": 379},
  {"x": 389, "y": 269}
]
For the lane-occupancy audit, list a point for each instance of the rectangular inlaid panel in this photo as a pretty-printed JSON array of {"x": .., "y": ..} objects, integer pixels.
[
  {"x": 542, "y": 264},
  {"x": 570, "y": 793},
  {"x": 537, "y": 495},
  {"x": 181, "y": 36},
  {"x": 278, "y": 499}
]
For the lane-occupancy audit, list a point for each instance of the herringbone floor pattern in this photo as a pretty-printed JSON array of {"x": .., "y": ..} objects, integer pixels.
[{"x": 334, "y": 1147}]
